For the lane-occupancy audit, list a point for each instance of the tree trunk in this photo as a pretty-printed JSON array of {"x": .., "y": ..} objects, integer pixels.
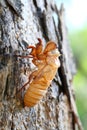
[{"x": 21, "y": 23}]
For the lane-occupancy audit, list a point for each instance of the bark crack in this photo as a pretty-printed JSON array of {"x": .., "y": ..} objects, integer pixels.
[
  {"x": 35, "y": 3},
  {"x": 45, "y": 3},
  {"x": 6, "y": 88},
  {"x": 42, "y": 21},
  {"x": 16, "y": 6},
  {"x": 12, "y": 124}
]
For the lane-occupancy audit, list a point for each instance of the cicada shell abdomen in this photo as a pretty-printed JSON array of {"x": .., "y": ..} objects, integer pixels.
[{"x": 38, "y": 87}]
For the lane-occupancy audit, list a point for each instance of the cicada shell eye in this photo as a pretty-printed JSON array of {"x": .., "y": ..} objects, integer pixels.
[{"x": 50, "y": 46}]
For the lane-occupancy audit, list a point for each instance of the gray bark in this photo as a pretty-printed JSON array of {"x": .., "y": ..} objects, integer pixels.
[{"x": 21, "y": 23}]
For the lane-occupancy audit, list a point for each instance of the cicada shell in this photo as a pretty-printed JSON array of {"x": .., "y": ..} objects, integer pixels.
[{"x": 47, "y": 64}]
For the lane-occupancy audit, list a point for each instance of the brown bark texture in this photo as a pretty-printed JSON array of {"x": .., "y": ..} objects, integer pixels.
[{"x": 21, "y": 23}]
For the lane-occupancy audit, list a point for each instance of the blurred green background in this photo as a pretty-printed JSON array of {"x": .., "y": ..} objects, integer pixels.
[
  {"x": 76, "y": 21},
  {"x": 78, "y": 41}
]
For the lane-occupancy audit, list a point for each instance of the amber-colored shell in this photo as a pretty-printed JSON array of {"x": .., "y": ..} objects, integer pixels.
[{"x": 47, "y": 63}]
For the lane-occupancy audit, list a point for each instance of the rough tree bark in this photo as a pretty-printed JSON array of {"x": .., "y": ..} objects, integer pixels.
[{"x": 21, "y": 23}]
